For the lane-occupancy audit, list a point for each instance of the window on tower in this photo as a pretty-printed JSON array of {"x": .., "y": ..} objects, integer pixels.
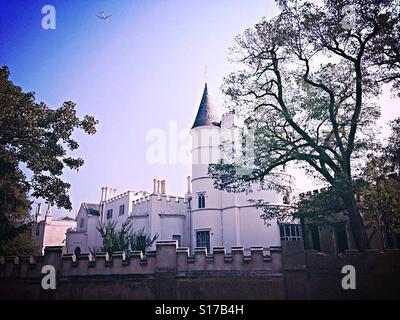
[
  {"x": 201, "y": 199},
  {"x": 203, "y": 239}
]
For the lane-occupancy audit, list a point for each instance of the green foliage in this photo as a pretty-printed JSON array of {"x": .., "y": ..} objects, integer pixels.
[
  {"x": 307, "y": 89},
  {"x": 125, "y": 239},
  {"x": 20, "y": 245},
  {"x": 381, "y": 197},
  {"x": 114, "y": 240},
  {"x": 320, "y": 207},
  {"x": 377, "y": 189},
  {"x": 14, "y": 204},
  {"x": 392, "y": 149},
  {"x": 140, "y": 241},
  {"x": 38, "y": 139},
  {"x": 381, "y": 204}
]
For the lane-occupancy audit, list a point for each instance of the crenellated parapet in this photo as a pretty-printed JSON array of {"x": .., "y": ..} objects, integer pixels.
[
  {"x": 167, "y": 259},
  {"x": 170, "y": 260},
  {"x": 234, "y": 263},
  {"x": 170, "y": 272}
]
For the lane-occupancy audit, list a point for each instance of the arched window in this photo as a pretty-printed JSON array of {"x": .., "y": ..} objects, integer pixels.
[{"x": 201, "y": 199}]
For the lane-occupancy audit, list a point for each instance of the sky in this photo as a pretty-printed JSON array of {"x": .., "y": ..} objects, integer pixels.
[{"x": 140, "y": 74}]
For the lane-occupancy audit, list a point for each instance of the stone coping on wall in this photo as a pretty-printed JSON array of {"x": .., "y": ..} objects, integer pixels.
[{"x": 168, "y": 258}]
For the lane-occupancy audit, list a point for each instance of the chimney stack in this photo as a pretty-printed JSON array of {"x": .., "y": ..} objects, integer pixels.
[
  {"x": 158, "y": 186},
  {"x": 48, "y": 216},
  {"x": 37, "y": 214},
  {"x": 105, "y": 193},
  {"x": 163, "y": 182},
  {"x": 154, "y": 186},
  {"x": 188, "y": 185},
  {"x": 102, "y": 194}
]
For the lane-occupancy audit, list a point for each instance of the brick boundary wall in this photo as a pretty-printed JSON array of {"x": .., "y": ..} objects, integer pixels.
[
  {"x": 314, "y": 275},
  {"x": 170, "y": 272}
]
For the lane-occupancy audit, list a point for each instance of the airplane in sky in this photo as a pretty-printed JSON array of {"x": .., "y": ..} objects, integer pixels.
[{"x": 103, "y": 16}]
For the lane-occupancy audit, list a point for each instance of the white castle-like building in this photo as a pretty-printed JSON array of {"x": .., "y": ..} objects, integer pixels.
[
  {"x": 49, "y": 231},
  {"x": 203, "y": 217}
]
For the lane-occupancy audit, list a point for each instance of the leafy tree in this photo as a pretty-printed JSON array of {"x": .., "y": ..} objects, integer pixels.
[
  {"x": 20, "y": 245},
  {"x": 321, "y": 207},
  {"x": 380, "y": 199},
  {"x": 140, "y": 241},
  {"x": 38, "y": 139},
  {"x": 14, "y": 204},
  {"x": 307, "y": 90},
  {"x": 114, "y": 240},
  {"x": 124, "y": 239},
  {"x": 392, "y": 150},
  {"x": 378, "y": 193},
  {"x": 381, "y": 194}
]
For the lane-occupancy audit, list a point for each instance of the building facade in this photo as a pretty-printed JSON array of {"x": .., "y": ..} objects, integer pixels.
[
  {"x": 157, "y": 212},
  {"x": 204, "y": 216},
  {"x": 334, "y": 235},
  {"x": 49, "y": 232}
]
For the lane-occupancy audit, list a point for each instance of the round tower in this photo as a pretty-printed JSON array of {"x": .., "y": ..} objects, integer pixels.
[
  {"x": 206, "y": 201},
  {"x": 219, "y": 218}
]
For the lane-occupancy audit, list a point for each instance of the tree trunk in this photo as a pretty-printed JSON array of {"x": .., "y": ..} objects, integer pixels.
[{"x": 356, "y": 222}]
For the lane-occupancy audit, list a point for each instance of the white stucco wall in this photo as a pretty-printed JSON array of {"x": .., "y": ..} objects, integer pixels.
[
  {"x": 51, "y": 232},
  {"x": 231, "y": 218},
  {"x": 77, "y": 239},
  {"x": 162, "y": 214}
]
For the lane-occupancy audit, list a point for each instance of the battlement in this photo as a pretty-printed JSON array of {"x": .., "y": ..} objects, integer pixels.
[
  {"x": 308, "y": 194},
  {"x": 116, "y": 197},
  {"x": 168, "y": 258},
  {"x": 170, "y": 272},
  {"x": 141, "y": 200},
  {"x": 159, "y": 197}
]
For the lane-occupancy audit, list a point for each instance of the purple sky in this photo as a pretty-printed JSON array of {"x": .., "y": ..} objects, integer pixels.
[{"x": 136, "y": 73}]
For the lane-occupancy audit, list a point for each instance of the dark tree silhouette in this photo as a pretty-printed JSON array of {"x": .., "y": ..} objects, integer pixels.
[
  {"x": 307, "y": 88},
  {"x": 37, "y": 138}
]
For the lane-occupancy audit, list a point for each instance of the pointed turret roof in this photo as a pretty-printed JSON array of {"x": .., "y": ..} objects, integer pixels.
[{"x": 206, "y": 115}]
